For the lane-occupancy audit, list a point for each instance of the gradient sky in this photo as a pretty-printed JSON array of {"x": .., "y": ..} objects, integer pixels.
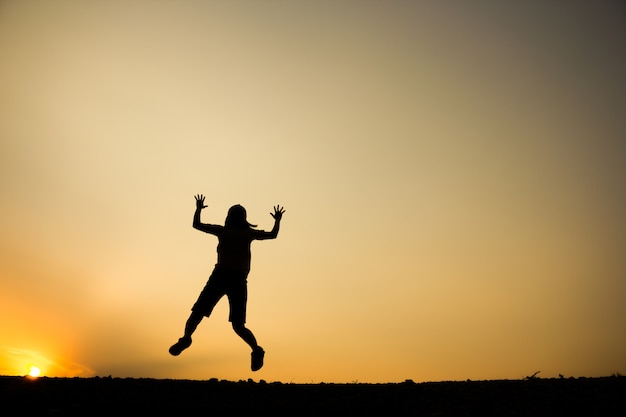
[{"x": 453, "y": 174}]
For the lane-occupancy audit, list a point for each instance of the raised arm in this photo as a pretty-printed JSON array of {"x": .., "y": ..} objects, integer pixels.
[
  {"x": 197, "y": 224},
  {"x": 277, "y": 215}
]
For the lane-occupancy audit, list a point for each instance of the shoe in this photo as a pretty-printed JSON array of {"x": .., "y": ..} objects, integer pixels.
[
  {"x": 257, "y": 358},
  {"x": 182, "y": 344}
]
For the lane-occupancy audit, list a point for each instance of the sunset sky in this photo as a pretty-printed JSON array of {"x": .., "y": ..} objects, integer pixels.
[{"x": 453, "y": 173}]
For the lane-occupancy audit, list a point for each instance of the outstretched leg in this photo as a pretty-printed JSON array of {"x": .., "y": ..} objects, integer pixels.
[
  {"x": 257, "y": 351},
  {"x": 190, "y": 327},
  {"x": 192, "y": 323}
]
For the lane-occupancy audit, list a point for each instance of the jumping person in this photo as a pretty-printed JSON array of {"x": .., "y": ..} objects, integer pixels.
[{"x": 229, "y": 277}]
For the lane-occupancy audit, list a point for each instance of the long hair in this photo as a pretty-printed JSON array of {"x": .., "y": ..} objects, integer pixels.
[{"x": 237, "y": 218}]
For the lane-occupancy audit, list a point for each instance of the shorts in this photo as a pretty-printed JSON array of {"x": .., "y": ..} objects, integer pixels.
[{"x": 224, "y": 282}]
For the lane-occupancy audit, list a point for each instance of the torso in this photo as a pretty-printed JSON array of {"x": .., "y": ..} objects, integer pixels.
[{"x": 233, "y": 249}]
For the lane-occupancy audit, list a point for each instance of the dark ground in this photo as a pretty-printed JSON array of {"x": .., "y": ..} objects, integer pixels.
[{"x": 107, "y": 396}]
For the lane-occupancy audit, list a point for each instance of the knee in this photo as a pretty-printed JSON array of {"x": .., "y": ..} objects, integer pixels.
[{"x": 238, "y": 327}]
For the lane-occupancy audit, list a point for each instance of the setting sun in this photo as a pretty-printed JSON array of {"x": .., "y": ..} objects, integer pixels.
[{"x": 34, "y": 371}]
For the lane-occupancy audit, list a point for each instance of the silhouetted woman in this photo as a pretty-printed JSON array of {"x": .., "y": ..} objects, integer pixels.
[{"x": 229, "y": 277}]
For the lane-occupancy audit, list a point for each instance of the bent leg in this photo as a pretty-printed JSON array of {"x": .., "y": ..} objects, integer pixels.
[
  {"x": 208, "y": 298},
  {"x": 190, "y": 326},
  {"x": 237, "y": 298},
  {"x": 257, "y": 351},
  {"x": 192, "y": 323},
  {"x": 245, "y": 333}
]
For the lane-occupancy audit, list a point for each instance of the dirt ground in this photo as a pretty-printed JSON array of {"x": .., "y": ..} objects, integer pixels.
[{"x": 108, "y": 396}]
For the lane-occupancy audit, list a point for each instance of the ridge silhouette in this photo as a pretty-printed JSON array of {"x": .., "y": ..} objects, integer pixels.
[{"x": 229, "y": 277}]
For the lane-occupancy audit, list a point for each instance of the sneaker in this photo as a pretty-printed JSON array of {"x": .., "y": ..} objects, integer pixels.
[
  {"x": 257, "y": 358},
  {"x": 182, "y": 344}
]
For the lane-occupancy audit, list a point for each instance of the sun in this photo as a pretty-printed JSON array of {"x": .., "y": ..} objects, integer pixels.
[{"x": 34, "y": 371}]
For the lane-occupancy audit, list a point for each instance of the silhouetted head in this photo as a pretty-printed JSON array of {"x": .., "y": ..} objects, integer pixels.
[{"x": 237, "y": 218}]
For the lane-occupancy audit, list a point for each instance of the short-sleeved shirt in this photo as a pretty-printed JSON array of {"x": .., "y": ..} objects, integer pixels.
[{"x": 233, "y": 249}]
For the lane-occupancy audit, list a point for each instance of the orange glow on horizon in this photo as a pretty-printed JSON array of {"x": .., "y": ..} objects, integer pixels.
[{"x": 17, "y": 361}]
